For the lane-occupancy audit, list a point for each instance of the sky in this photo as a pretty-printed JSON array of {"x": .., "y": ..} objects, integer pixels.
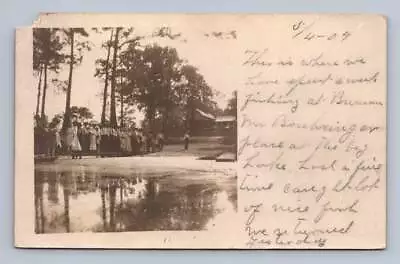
[{"x": 87, "y": 89}]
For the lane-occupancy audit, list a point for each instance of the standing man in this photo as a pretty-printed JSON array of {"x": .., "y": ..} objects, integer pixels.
[
  {"x": 160, "y": 141},
  {"x": 149, "y": 141},
  {"x": 186, "y": 138}
]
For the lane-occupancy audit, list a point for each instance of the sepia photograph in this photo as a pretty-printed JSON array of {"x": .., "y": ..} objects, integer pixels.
[
  {"x": 208, "y": 131},
  {"x": 134, "y": 130},
  {"x": 170, "y": 127}
]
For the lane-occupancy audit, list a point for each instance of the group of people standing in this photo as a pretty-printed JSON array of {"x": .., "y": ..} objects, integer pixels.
[
  {"x": 47, "y": 141},
  {"x": 84, "y": 139},
  {"x": 107, "y": 141},
  {"x": 81, "y": 139}
]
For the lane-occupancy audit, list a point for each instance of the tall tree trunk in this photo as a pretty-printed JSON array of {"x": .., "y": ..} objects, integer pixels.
[
  {"x": 42, "y": 218},
  {"x": 121, "y": 94},
  {"x": 113, "y": 198},
  {"x": 37, "y": 215},
  {"x": 42, "y": 113},
  {"x": 113, "y": 114},
  {"x": 103, "y": 207},
  {"x": 39, "y": 90},
  {"x": 192, "y": 121},
  {"x": 167, "y": 104},
  {"x": 66, "y": 209},
  {"x": 67, "y": 114},
  {"x": 189, "y": 113},
  {"x": 39, "y": 211},
  {"x": 103, "y": 111}
]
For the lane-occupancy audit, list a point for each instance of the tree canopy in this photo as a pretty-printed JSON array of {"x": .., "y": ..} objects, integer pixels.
[
  {"x": 159, "y": 82},
  {"x": 47, "y": 56},
  {"x": 150, "y": 78}
]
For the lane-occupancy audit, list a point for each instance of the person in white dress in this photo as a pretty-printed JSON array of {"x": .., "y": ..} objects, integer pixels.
[
  {"x": 98, "y": 140},
  {"x": 93, "y": 139},
  {"x": 76, "y": 148}
]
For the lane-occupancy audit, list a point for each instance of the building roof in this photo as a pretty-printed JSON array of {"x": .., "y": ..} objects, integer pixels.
[
  {"x": 221, "y": 119},
  {"x": 204, "y": 115}
]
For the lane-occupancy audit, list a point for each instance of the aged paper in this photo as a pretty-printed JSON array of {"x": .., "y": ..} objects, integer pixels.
[{"x": 201, "y": 131}]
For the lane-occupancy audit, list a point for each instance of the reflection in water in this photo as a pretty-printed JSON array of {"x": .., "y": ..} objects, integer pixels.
[
  {"x": 86, "y": 200},
  {"x": 66, "y": 206},
  {"x": 39, "y": 211}
]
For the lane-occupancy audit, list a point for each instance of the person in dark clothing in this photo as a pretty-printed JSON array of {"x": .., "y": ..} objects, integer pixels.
[
  {"x": 111, "y": 142},
  {"x": 139, "y": 139},
  {"x": 103, "y": 141},
  {"x": 52, "y": 142},
  {"x": 160, "y": 140},
  {"x": 133, "y": 143},
  {"x": 153, "y": 143},
  {"x": 117, "y": 142},
  {"x": 86, "y": 136},
  {"x": 186, "y": 138},
  {"x": 149, "y": 142},
  {"x": 37, "y": 132}
]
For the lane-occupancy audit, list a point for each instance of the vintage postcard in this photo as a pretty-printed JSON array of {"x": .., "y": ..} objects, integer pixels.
[{"x": 201, "y": 131}]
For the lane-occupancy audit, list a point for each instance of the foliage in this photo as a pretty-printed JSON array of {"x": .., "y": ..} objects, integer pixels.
[
  {"x": 74, "y": 38},
  {"x": 152, "y": 79},
  {"x": 47, "y": 46},
  {"x": 82, "y": 113},
  {"x": 47, "y": 56},
  {"x": 56, "y": 120},
  {"x": 159, "y": 82}
]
